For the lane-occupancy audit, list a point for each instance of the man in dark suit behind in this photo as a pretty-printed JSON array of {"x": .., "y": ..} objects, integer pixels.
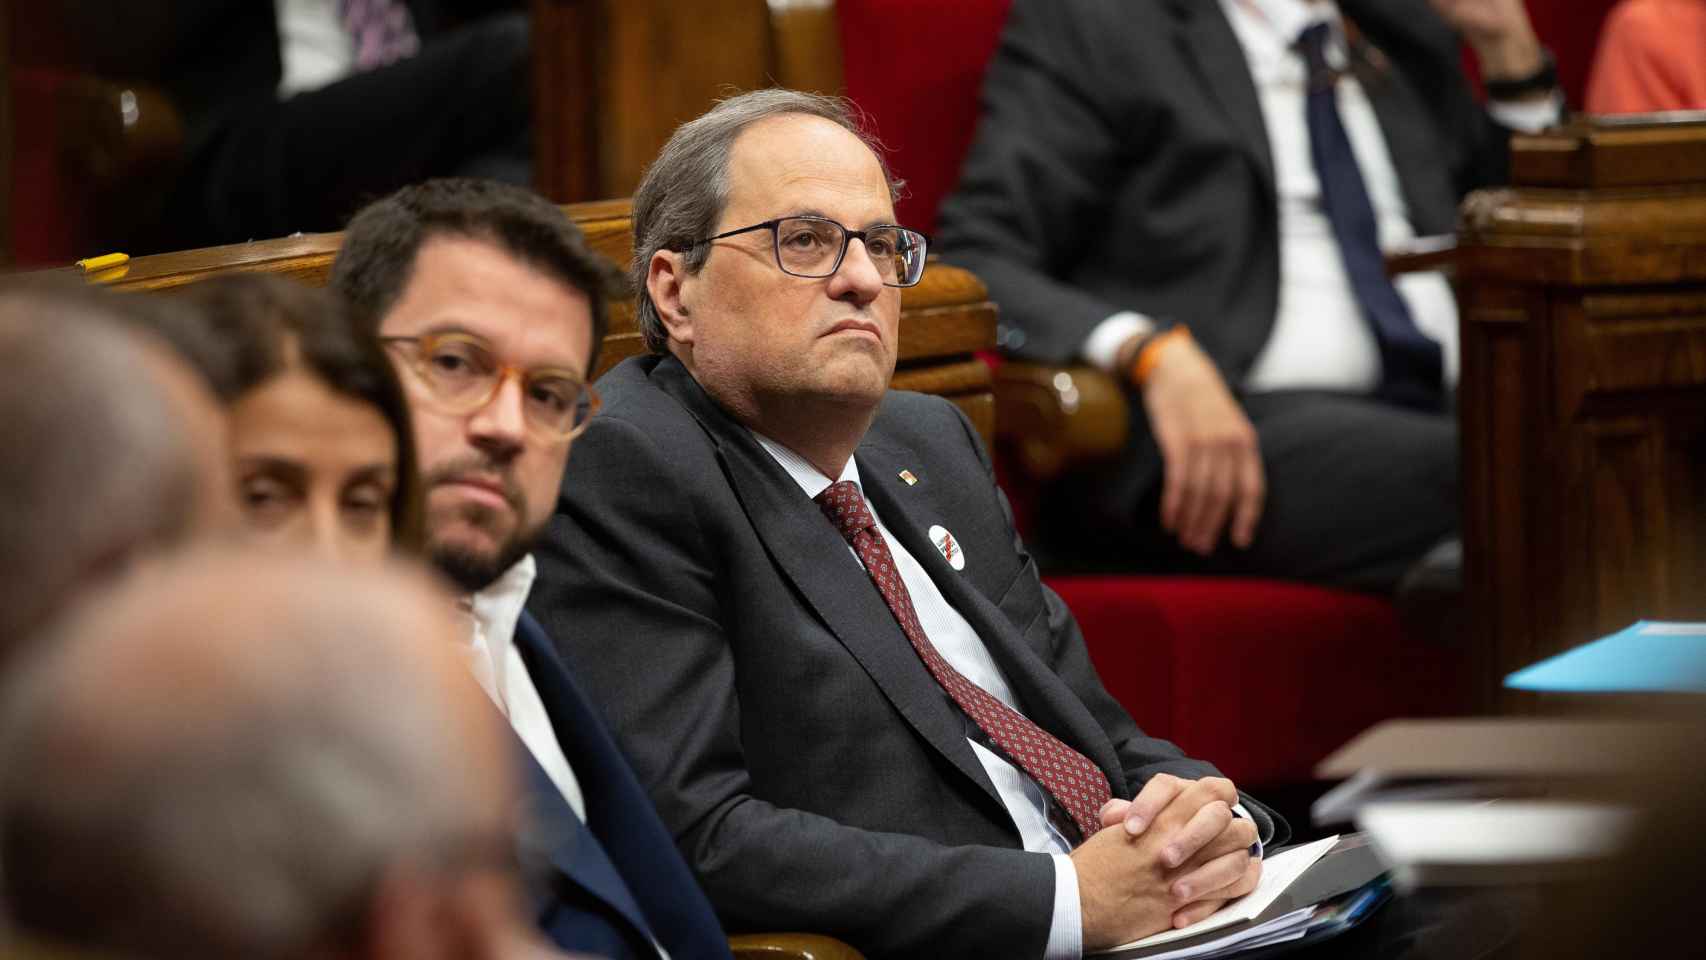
[
  {"x": 880, "y": 726},
  {"x": 1234, "y": 168},
  {"x": 492, "y": 305},
  {"x": 297, "y": 112}
]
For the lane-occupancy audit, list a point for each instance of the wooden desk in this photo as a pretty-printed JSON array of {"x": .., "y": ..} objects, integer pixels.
[
  {"x": 1583, "y": 403},
  {"x": 945, "y": 320}
]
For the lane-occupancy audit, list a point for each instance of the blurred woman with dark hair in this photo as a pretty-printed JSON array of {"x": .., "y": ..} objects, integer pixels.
[{"x": 321, "y": 444}]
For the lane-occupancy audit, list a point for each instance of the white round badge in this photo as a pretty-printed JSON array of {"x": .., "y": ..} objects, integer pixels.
[{"x": 948, "y": 546}]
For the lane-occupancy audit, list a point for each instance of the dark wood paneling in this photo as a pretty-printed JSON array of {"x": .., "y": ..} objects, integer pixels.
[
  {"x": 807, "y": 48},
  {"x": 613, "y": 78},
  {"x": 5, "y": 133},
  {"x": 1584, "y": 392},
  {"x": 1602, "y": 153},
  {"x": 565, "y": 101}
]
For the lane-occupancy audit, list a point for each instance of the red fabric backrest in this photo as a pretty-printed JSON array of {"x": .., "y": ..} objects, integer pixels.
[
  {"x": 916, "y": 69},
  {"x": 48, "y": 213},
  {"x": 1571, "y": 29}
]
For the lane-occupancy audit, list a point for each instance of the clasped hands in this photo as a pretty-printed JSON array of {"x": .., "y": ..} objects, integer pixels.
[{"x": 1165, "y": 859}]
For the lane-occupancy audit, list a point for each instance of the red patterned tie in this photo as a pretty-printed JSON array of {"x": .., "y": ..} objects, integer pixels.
[{"x": 1078, "y": 785}]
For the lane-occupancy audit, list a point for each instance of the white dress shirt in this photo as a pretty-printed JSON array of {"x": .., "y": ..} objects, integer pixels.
[
  {"x": 314, "y": 48},
  {"x": 1320, "y": 338},
  {"x": 497, "y": 664}
]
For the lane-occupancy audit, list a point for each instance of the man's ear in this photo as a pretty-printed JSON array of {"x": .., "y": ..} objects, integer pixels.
[{"x": 667, "y": 280}]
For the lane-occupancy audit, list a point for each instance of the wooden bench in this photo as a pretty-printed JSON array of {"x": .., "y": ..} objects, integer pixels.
[{"x": 945, "y": 320}]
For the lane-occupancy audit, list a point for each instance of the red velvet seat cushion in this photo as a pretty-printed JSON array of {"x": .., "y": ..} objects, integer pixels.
[{"x": 1260, "y": 677}]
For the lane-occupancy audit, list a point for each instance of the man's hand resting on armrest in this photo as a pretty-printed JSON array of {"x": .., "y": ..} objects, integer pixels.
[
  {"x": 1213, "y": 480},
  {"x": 1188, "y": 856}
]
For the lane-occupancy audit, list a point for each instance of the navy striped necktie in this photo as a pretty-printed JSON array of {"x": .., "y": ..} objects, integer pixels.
[{"x": 1411, "y": 361}]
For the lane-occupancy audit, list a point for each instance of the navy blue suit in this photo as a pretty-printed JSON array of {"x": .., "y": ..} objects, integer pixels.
[{"x": 616, "y": 882}]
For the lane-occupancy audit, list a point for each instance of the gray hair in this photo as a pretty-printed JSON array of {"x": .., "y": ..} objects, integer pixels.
[
  {"x": 97, "y": 462},
  {"x": 220, "y": 759},
  {"x": 686, "y": 188}
]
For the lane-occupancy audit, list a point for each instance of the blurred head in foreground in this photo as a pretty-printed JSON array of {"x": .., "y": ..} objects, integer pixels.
[
  {"x": 113, "y": 449},
  {"x": 320, "y": 439},
  {"x": 257, "y": 755}
]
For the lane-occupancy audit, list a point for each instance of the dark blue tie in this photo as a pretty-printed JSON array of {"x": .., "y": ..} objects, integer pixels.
[{"x": 1410, "y": 360}]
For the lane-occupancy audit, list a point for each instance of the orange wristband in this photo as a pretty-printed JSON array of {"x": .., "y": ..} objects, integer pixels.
[{"x": 1148, "y": 357}]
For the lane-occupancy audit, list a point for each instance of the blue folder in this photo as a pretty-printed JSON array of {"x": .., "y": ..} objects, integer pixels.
[{"x": 1649, "y": 657}]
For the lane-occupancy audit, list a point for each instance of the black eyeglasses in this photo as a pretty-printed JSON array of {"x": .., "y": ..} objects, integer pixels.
[{"x": 813, "y": 248}]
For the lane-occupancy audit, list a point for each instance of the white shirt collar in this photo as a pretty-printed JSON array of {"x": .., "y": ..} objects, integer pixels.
[
  {"x": 1289, "y": 18},
  {"x": 807, "y": 476},
  {"x": 496, "y": 610}
]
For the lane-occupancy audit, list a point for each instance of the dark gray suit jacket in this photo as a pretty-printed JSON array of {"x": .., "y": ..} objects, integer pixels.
[
  {"x": 816, "y": 777},
  {"x": 1122, "y": 163}
]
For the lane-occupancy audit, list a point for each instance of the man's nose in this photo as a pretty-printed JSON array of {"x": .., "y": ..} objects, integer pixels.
[
  {"x": 500, "y": 427},
  {"x": 858, "y": 281}
]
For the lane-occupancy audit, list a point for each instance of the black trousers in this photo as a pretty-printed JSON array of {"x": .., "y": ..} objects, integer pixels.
[
  {"x": 461, "y": 106},
  {"x": 1357, "y": 492}
]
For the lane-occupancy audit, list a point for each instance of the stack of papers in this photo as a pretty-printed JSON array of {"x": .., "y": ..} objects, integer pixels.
[
  {"x": 1496, "y": 800},
  {"x": 1232, "y": 928},
  {"x": 1493, "y": 842}
]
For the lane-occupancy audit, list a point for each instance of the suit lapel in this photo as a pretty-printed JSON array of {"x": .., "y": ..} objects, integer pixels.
[
  {"x": 553, "y": 834},
  {"x": 1222, "y": 68},
  {"x": 1043, "y": 698},
  {"x": 815, "y": 558},
  {"x": 571, "y": 845}
]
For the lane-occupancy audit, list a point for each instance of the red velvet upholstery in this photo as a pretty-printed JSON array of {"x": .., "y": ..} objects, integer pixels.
[
  {"x": 916, "y": 68},
  {"x": 1260, "y": 677},
  {"x": 48, "y": 213}
]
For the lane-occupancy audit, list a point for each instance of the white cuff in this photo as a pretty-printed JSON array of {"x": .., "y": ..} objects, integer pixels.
[
  {"x": 1239, "y": 811},
  {"x": 1102, "y": 347},
  {"x": 1066, "y": 931},
  {"x": 1528, "y": 116}
]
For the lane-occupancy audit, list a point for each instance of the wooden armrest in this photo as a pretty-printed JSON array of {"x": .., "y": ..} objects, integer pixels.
[
  {"x": 113, "y": 134},
  {"x": 791, "y": 946},
  {"x": 1054, "y": 418},
  {"x": 1425, "y": 259}
]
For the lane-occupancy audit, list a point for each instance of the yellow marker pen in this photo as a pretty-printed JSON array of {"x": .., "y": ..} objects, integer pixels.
[{"x": 103, "y": 262}]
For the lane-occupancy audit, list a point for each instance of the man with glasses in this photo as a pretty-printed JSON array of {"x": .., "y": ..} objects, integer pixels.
[
  {"x": 799, "y": 599},
  {"x": 492, "y": 304}
]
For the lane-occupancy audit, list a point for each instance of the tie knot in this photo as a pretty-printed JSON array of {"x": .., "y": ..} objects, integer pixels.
[
  {"x": 1312, "y": 43},
  {"x": 843, "y": 505}
]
